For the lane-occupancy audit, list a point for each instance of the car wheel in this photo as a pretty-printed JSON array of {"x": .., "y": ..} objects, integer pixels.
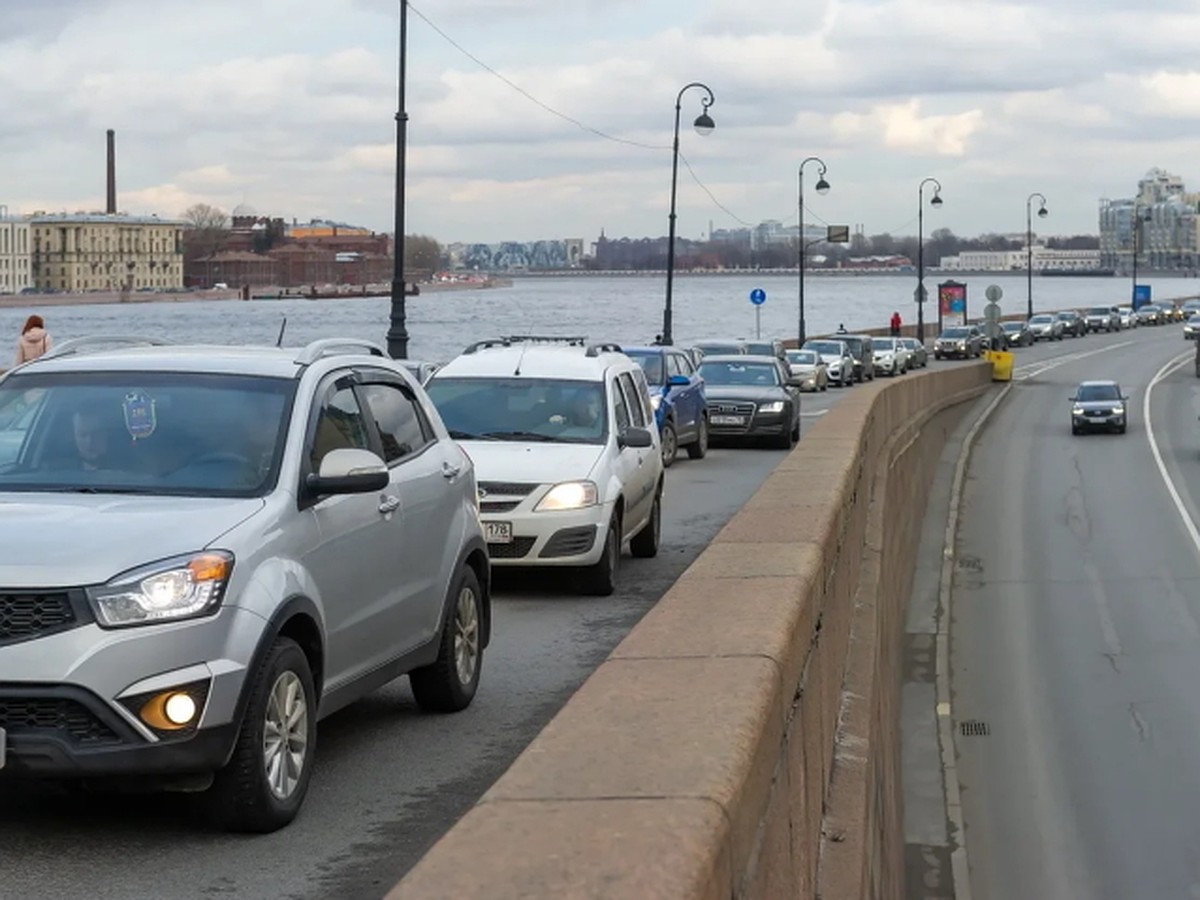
[
  {"x": 263, "y": 785},
  {"x": 699, "y": 447},
  {"x": 449, "y": 683},
  {"x": 785, "y": 441},
  {"x": 796, "y": 430},
  {"x": 1121, "y": 429},
  {"x": 645, "y": 543},
  {"x": 670, "y": 444},
  {"x": 1074, "y": 430},
  {"x": 600, "y": 580}
]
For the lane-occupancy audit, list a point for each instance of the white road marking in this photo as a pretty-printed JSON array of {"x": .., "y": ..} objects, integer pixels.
[
  {"x": 1188, "y": 523},
  {"x": 813, "y": 415},
  {"x": 1029, "y": 370}
]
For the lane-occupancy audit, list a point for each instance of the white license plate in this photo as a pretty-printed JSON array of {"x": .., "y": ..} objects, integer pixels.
[
  {"x": 498, "y": 532},
  {"x": 728, "y": 420},
  {"x": 3, "y": 747}
]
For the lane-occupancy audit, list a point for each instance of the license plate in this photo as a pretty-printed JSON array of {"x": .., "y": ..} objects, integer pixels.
[
  {"x": 728, "y": 420},
  {"x": 498, "y": 532},
  {"x": 3, "y": 747}
]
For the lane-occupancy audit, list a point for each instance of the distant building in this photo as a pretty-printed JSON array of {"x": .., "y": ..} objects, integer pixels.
[
  {"x": 235, "y": 268},
  {"x": 1010, "y": 260},
  {"x": 517, "y": 256},
  {"x": 106, "y": 252},
  {"x": 1167, "y": 235},
  {"x": 16, "y": 258}
]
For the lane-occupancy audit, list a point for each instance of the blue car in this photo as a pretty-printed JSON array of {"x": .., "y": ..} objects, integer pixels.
[{"x": 680, "y": 404}]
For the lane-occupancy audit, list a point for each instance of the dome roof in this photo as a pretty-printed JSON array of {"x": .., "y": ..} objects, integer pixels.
[{"x": 245, "y": 210}]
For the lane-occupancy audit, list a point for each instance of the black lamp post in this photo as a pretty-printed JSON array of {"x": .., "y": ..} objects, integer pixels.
[
  {"x": 935, "y": 200},
  {"x": 1042, "y": 213},
  {"x": 703, "y": 125},
  {"x": 1137, "y": 233},
  {"x": 822, "y": 188},
  {"x": 397, "y": 336}
]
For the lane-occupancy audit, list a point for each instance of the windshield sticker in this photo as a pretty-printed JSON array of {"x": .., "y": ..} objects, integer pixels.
[{"x": 140, "y": 418}]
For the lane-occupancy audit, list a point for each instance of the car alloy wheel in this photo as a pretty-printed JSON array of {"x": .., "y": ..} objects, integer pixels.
[
  {"x": 285, "y": 735},
  {"x": 466, "y": 635}
]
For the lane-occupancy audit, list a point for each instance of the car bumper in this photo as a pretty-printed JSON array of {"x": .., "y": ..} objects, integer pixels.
[
  {"x": 953, "y": 352},
  {"x": 566, "y": 538},
  {"x": 759, "y": 425},
  {"x": 1107, "y": 421},
  {"x": 69, "y": 701}
]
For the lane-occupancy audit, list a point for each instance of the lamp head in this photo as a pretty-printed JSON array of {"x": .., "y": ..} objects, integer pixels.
[
  {"x": 936, "y": 200},
  {"x": 822, "y": 186},
  {"x": 1043, "y": 212},
  {"x": 704, "y": 124}
]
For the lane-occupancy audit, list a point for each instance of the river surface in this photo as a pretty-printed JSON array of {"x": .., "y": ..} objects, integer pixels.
[{"x": 627, "y": 309}]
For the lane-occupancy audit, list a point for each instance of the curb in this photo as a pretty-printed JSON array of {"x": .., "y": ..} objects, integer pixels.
[{"x": 958, "y": 856}]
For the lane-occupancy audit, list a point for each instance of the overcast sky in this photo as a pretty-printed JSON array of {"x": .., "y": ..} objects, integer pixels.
[{"x": 288, "y": 106}]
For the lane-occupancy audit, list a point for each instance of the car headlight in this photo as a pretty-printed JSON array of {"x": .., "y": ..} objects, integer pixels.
[
  {"x": 656, "y": 401},
  {"x": 1077, "y": 411},
  {"x": 569, "y": 495},
  {"x": 181, "y": 588},
  {"x": 776, "y": 407}
]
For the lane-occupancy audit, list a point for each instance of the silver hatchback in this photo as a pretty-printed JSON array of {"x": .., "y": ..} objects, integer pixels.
[{"x": 205, "y": 550}]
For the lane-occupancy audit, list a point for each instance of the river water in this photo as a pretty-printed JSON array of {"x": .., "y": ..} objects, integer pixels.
[{"x": 601, "y": 307}]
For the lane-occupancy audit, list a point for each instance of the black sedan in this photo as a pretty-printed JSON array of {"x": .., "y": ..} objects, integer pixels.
[{"x": 752, "y": 397}]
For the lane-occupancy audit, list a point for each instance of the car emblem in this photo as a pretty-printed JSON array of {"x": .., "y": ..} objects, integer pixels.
[{"x": 482, "y": 493}]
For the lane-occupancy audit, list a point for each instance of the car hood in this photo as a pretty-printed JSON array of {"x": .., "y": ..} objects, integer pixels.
[
  {"x": 68, "y": 540},
  {"x": 1040, "y": 326},
  {"x": 830, "y": 358},
  {"x": 745, "y": 392},
  {"x": 803, "y": 368},
  {"x": 1100, "y": 404},
  {"x": 532, "y": 463}
]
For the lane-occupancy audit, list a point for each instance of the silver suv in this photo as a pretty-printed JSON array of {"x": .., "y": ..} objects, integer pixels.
[{"x": 205, "y": 550}]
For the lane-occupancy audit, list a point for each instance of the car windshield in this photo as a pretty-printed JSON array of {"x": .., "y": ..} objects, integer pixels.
[
  {"x": 829, "y": 348},
  {"x": 884, "y": 344},
  {"x": 1011, "y": 326},
  {"x": 1090, "y": 392},
  {"x": 188, "y": 434},
  {"x": 1070, "y": 314},
  {"x": 710, "y": 349},
  {"x": 1041, "y": 320},
  {"x": 651, "y": 363},
  {"x": 1195, "y": 319},
  {"x": 1150, "y": 307},
  {"x": 803, "y": 357},
  {"x": 732, "y": 373},
  {"x": 1099, "y": 311},
  {"x": 954, "y": 333},
  {"x": 521, "y": 409},
  {"x": 760, "y": 349}
]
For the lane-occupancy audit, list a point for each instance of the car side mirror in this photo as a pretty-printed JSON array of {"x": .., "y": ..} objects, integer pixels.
[
  {"x": 635, "y": 437},
  {"x": 349, "y": 471},
  {"x": 678, "y": 381}
]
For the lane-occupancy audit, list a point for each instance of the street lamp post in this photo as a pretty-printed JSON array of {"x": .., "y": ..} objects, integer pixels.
[
  {"x": 1137, "y": 233},
  {"x": 935, "y": 200},
  {"x": 1042, "y": 213},
  {"x": 703, "y": 125},
  {"x": 397, "y": 336},
  {"x": 822, "y": 188}
]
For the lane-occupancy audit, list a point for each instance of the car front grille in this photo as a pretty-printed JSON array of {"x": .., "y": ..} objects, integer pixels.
[
  {"x": 727, "y": 408},
  {"x": 505, "y": 489},
  {"x": 54, "y": 716},
  {"x": 498, "y": 506},
  {"x": 518, "y": 549},
  {"x": 29, "y": 615}
]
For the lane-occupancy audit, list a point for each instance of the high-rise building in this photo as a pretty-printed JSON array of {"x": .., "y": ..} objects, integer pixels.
[{"x": 1162, "y": 220}]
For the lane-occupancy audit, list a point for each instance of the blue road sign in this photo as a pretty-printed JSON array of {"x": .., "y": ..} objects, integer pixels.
[
  {"x": 1141, "y": 295},
  {"x": 758, "y": 296}
]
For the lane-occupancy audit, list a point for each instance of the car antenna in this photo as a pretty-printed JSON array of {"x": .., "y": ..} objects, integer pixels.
[
  {"x": 521, "y": 358},
  {"x": 282, "y": 326}
]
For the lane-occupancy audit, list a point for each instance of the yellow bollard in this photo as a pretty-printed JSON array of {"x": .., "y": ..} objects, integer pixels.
[{"x": 1002, "y": 364}]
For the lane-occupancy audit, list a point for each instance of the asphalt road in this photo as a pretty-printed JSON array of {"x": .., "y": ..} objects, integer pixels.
[
  {"x": 388, "y": 780},
  {"x": 1075, "y": 637}
]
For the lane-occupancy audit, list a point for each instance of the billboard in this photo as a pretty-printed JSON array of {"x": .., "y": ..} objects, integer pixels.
[{"x": 952, "y": 303}]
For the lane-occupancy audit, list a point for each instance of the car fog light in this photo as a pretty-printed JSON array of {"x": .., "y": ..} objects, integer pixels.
[
  {"x": 179, "y": 709},
  {"x": 170, "y": 710}
]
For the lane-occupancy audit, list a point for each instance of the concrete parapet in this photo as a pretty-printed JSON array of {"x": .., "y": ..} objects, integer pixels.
[{"x": 742, "y": 740}]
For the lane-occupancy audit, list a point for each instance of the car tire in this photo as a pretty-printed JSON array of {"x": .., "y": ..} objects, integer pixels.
[
  {"x": 448, "y": 684},
  {"x": 645, "y": 543},
  {"x": 699, "y": 447},
  {"x": 1074, "y": 430},
  {"x": 670, "y": 443},
  {"x": 784, "y": 441},
  {"x": 600, "y": 580},
  {"x": 1121, "y": 430},
  {"x": 242, "y": 797},
  {"x": 796, "y": 431}
]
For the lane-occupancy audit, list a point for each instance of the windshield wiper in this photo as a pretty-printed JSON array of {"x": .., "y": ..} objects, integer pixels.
[
  {"x": 468, "y": 436},
  {"x": 81, "y": 489},
  {"x": 520, "y": 436}
]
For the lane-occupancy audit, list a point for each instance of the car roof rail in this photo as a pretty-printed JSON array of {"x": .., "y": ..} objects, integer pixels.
[
  {"x": 323, "y": 347},
  {"x": 79, "y": 345},
  {"x": 570, "y": 340},
  {"x": 604, "y": 347}
]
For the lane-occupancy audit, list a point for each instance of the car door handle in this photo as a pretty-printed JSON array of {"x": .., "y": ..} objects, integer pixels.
[
  {"x": 388, "y": 504},
  {"x": 450, "y": 472}
]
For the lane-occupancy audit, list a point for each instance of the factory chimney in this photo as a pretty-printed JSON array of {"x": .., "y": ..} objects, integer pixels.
[{"x": 112, "y": 172}]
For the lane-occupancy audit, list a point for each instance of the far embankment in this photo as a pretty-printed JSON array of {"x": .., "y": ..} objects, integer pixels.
[{"x": 743, "y": 740}]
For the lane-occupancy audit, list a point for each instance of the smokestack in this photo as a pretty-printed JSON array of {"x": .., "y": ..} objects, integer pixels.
[{"x": 112, "y": 172}]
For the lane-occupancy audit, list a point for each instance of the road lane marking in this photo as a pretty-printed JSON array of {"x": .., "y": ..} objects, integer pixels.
[
  {"x": 1188, "y": 524},
  {"x": 1029, "y": 370},
  {"x": 813, "y": 415}
]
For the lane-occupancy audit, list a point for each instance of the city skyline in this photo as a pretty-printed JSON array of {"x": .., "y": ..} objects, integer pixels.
[{"x": 292, "y": 111}]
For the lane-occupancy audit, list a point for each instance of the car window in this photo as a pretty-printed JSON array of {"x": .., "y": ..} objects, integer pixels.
[
  {"x": 731, "y": 373},
  {"x": 1092, "y": 392},
  {"x": 520, "y": 409},
  {"x": 401, "y": 423},
  {"x": 652, "y": 365},
  {"x": 633, "y": 400},
  {"x": 620, "y": 406},
  {"x": 340, "y": 425}
]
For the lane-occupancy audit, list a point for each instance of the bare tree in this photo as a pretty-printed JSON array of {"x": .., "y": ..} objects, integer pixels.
[
  {"x": 205, "y": 217},
  {"x": 208, "y": 227}
]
